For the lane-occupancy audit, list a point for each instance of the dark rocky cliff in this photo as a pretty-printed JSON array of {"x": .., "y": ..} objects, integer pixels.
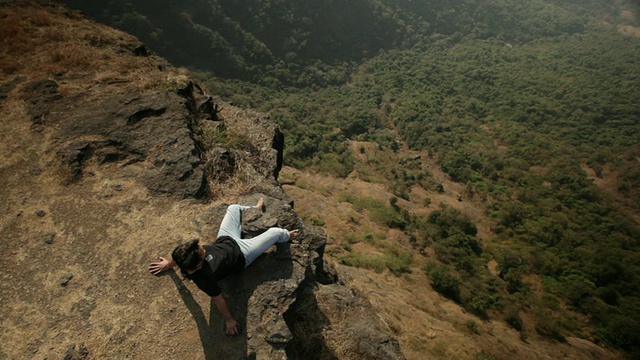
[{"x": 110, "y": 157}]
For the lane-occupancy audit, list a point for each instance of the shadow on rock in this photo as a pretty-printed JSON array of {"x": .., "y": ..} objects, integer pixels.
[
  {"x": 207, "y": 336},
  {"x": 258, "y": 296},
  {"x": 252, "y": 297}
]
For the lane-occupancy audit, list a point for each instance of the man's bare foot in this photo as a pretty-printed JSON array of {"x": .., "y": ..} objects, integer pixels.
[
  {"x": 293, "y": 234},
  {"x": 260, "y": 205}
]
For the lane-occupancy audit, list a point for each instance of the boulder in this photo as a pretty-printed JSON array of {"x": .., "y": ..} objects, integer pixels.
[
  {"x": 40, "y": 96},
  {"x": 146, "y": 136}
]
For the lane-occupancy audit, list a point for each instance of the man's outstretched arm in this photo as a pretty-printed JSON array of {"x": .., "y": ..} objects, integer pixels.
[
  {"x": 230, "y": 322},
  {"x": 160, "y": 266}
]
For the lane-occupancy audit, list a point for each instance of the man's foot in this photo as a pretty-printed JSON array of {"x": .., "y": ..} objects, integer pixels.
[
  {"x": 260, "y": 205},
  {"x": 293, "y": 234}
]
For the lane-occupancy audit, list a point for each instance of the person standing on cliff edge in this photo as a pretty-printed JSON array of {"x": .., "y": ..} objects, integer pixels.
[{"x": 206, "y": 264}]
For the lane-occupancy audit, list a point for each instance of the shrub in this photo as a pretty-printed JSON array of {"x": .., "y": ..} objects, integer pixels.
[
  {"x": 378, "y": 211},
  {"x": 513, "y": 319},
  {"x": 398, "y": 262},
  {"x": 376, "y": 263},
  {"x": 480, "y": 301},
  {"x": 467, "y": 265},
  {"x": 514, "y": 280},
  {"x": 351, "y": 238},
  {"x": 548, "y": 326},
  {"x": 473, "y": 327},
  {"x": 316, "y": 220},
  {"x": 334, "y": 164},
  {"x": 444, "y": 282},
  {"x": 621, "y": 328}
]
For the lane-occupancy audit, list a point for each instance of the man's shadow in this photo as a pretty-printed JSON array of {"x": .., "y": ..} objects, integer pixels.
[{"x": 237, "y": 290}]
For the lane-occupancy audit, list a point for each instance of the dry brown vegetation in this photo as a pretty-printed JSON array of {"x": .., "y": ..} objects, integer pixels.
[
  {"x": 35, "y": 41},
  {"x": 101, "y": 231}
]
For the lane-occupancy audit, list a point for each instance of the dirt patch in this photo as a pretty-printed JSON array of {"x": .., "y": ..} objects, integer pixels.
[
  {"x": 629, "y": 30},
  {"x": 493, "y": 267},
  {"x": 607, "y": 179},
  {"x": 628, "y": 14}
]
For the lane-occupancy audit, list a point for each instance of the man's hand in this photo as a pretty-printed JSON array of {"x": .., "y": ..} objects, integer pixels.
[
  {"x": 163, "y": 265},
  {"x": 231, "y": 323},
  {"x": 232, "y": 327}
]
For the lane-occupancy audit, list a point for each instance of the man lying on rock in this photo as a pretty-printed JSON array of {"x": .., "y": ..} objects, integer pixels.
[{"x": 230, "y": 254}]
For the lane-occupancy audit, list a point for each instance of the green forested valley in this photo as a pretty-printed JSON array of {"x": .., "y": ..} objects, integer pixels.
[{"x": 532, "y": 105}]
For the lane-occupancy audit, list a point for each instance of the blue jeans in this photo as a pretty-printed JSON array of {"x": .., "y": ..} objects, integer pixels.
[{"x": 254, "y": 247}]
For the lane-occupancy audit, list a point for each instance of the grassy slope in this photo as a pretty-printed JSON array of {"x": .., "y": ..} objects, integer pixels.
[{"x": 427, "y": 324}]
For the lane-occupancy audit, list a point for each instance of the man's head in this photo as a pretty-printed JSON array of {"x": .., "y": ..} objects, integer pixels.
[{"x": 189, "y": 256}]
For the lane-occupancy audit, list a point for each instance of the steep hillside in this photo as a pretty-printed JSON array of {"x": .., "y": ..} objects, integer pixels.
[
  {"x": 384, "y": 265},
  {"x": 298, "y": 43},
  {"x": 542, "y": 134}
]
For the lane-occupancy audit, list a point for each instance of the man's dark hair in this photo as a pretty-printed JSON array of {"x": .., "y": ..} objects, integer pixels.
[{"x": 187, "y": 255}]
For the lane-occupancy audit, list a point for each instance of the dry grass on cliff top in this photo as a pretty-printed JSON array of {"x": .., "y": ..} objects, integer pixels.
[
  {"x": 35, "y": 41},
  {"x": 101, "y": 232},
  {"x": 94, "y": 60}
]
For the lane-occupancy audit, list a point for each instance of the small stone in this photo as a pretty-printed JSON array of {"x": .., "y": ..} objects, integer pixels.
[
  {"x": 49, "y": 237},
  {"x": 83, "y": 351},
  {"x": 64, "y": 279},
  {"x": 76, "y": 352},
  {"x": 35, "y": 171},
  {"x": 68, "y": 355},
  {"x": 41, "y": 213}
]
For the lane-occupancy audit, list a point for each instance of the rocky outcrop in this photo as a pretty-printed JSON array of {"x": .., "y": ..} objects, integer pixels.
[
  {"x": 41, "y": 95},
  {"x": 336, "y": 322},
  {"x": 157, "y": 138},
  {"x": 146, "y": 135}
]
